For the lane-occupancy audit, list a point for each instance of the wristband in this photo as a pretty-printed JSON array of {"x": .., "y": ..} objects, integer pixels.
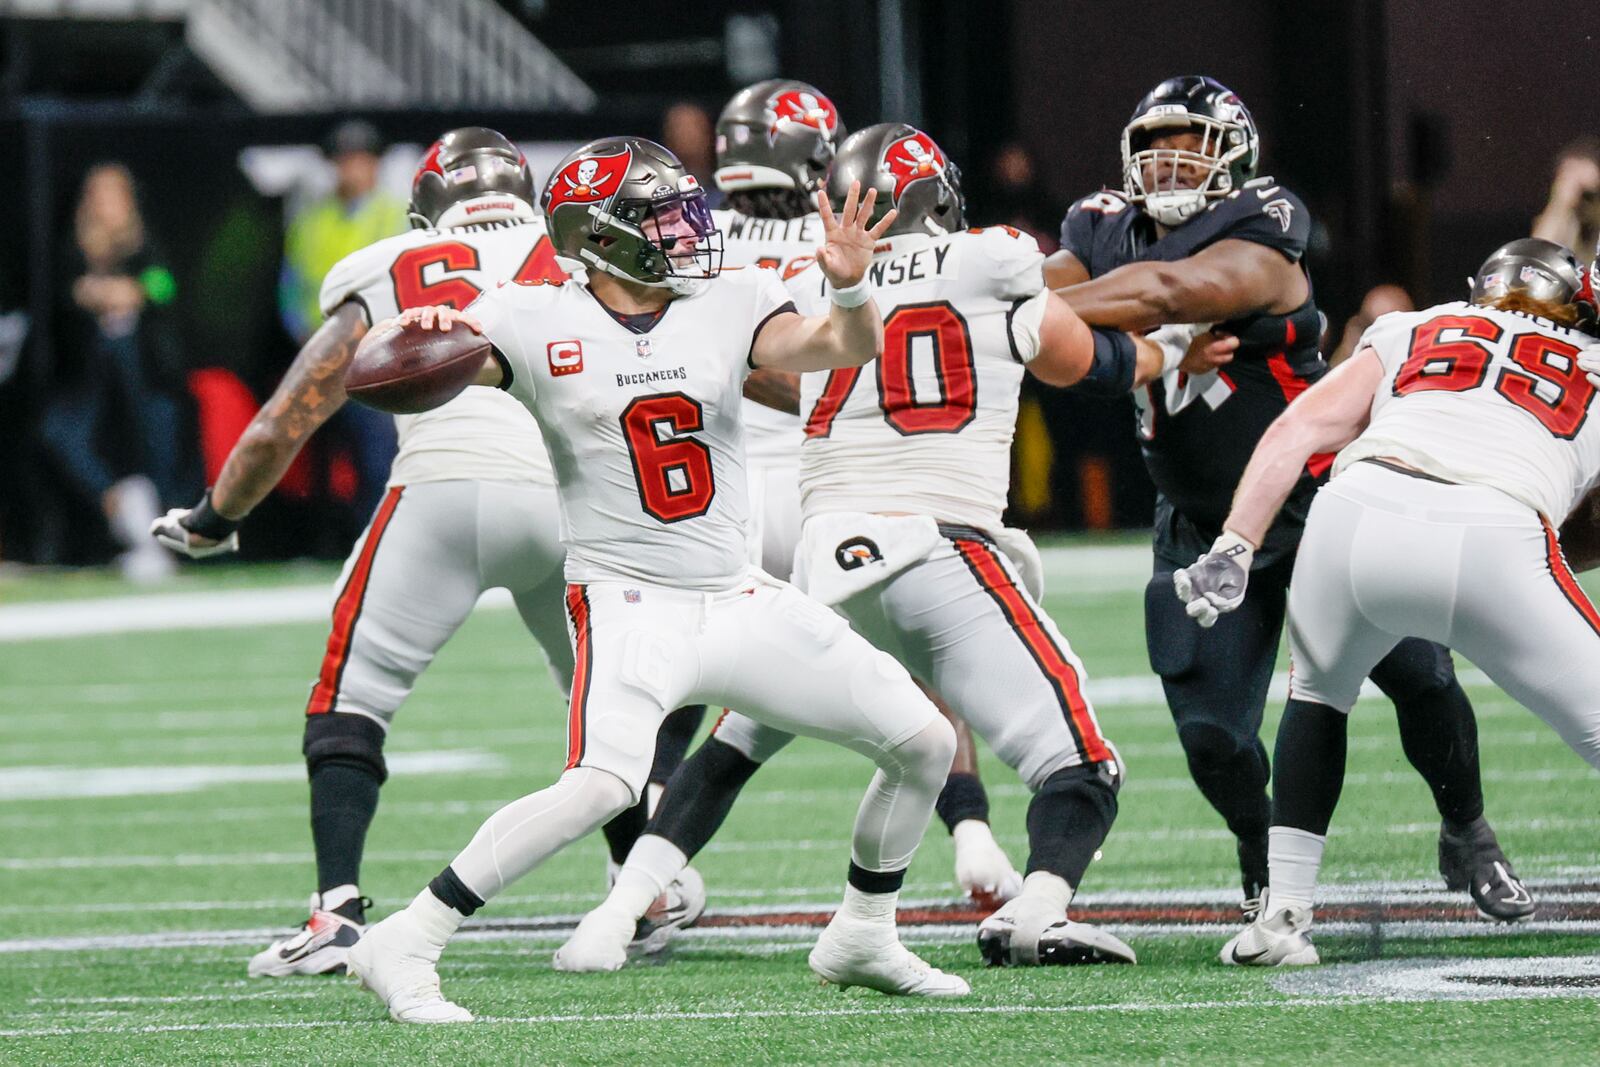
[
  {"x": 1112, "y": 370},
  {"x": 1174, "y": 342},
  {"x": 205, "y": 520},
  {"x": 854, "y": 296}
]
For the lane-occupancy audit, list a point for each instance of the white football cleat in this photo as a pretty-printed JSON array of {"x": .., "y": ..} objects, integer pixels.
[
  {"x": 600, "y": 943},
  {"x": 1025, "y": 934},
  {"x": 1276, "y": 939},
  {"x": 318, "y": 947},
  {"x": 396, "y": 961},
  {"x": 856, "y": 952},
  {"x": 679, "y": 907},
  {"x": 983, "y": 870}
]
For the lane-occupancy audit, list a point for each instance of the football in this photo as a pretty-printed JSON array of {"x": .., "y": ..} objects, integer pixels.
[{"x": 405, "y": 369}]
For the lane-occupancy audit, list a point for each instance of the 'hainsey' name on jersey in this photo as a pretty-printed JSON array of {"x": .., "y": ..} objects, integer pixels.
[
  {"x": 1485, "y": 397},
  {"x": 788, "y": 247},
  {"x": 482, "y": 435},
  {"x": 926, "y": 428},
  {"x": 642, "y": 422}
]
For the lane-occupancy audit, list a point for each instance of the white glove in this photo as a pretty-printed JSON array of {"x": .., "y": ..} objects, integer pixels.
[
  {"x": 1589, "y": 363},
  {"x": 1174, "y": 341},
  {"x": 1215, "y": 582},
  {"x": 171, "y": 532},
  {"x": 983, "y": 870}
]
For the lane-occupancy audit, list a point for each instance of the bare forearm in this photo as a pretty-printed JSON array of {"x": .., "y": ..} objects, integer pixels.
[
  {"x": 310, "y": 393},
  {"x": 1270, "y": 477},
  {"x": 1135, "y": 297},
  {"x": 857, "y": 334},
  {"x": 775, "y": 389}
]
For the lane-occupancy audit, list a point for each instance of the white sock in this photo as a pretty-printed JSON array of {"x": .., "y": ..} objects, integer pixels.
[
  {"x": 870, "y": 907},
  {"x": 653, "y": 863},
  {"x": 1293, "y": 859},
  {"x": 1047, "y": 891},
  {"x": 652, "y": 797},
  {"x": 338, "y": 895},
  {"x": 437, "y": 920}
]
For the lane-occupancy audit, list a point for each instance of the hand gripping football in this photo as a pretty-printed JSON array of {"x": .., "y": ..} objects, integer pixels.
[{"x": 405, "y": 369}]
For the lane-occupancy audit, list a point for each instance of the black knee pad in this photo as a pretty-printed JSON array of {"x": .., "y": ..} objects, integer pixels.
[
  {"x": 1208, "y": 745},
  {"x": 342, "y": 738}
]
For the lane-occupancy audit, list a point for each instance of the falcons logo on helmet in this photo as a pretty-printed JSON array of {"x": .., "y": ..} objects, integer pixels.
[
  {"x": 800, "y": 108},
  {"x": 911, "y": 159},
  {"x": 589, "y": 179}
]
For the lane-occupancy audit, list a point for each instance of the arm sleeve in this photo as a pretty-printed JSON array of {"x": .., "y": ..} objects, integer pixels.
[
  {"x": 1114, "y": 366},
  {"x": 495, "y": 310}
]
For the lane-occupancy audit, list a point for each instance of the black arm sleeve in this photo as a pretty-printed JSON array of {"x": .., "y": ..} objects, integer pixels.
[{"x": 1115, "y": 361}]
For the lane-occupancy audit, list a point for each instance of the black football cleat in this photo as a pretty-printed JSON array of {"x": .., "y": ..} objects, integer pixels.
[{"x": 1470, "y": 859}]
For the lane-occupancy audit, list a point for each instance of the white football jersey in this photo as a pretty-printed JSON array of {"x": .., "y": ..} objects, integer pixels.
[
  {"x": 926, "y": 428},
  {"x": 1484, "y": 397},
  {"x": 786, "y": 246},
  {"x": 482, "y": 435},
  {"x": 642, "y": 419}
]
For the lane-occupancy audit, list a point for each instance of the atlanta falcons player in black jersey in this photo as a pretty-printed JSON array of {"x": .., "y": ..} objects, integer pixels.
[{"x": 1194, "y": 236}]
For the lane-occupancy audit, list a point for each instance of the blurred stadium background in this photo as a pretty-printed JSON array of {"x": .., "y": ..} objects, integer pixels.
[{"x": 1417, "y": 144}]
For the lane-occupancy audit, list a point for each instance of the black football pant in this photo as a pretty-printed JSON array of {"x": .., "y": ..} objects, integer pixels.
[{"x": 1216, "y": 687}]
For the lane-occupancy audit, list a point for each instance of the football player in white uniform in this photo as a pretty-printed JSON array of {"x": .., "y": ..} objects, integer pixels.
[
  {"x": 904, "y": 475},
  {"x": 1466, "y": 440},
  {"x": 471, "y": 503},
  {"x": 635, "y": 378}
]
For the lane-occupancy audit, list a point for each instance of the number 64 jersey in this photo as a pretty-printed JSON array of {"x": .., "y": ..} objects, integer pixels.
[
  {"x": 1486, "y": 397},
  {"x": 641, "y": 415}
]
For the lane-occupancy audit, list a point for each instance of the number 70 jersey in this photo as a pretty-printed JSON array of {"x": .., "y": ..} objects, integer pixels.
[{"x": 1486, "y": 397}]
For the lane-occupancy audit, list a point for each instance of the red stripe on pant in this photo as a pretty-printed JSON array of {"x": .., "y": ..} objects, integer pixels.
[
  {"x": 1568, "y": 584},
  {"x": 347, "y": 609},
  {"x": 583, "y": 668},
  {"x": 992, "y": 576}
]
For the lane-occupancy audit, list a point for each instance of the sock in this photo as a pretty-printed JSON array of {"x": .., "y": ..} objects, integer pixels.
[
  {"x": 651, "y": 867},
  {"x": 962, "y": 798},
  {"x": 868, "y": 906},
  {"x": 448, "y": 888},
  {"x": 1232, "y": 775},
  {"x": 344, "y": 798},
  {"x": 1294, "y": 857},
  {"x": 875, "y": 883},
  {"x": 1048, "y": 891},
  {"x": 1312, "y": 739},
  {"x": 1437, "y": 728},
  {"x": 345, "y": 900},
  {"x": 673, "y": 739},
  {"x": 700, "y": 795},
  {"x": 621, "y": 832},
  {"x": 438, "y": 920},
  {"x": 1068, "y": 820}
]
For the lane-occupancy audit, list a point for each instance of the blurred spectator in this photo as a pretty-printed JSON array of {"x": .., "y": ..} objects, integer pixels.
[
  {"x": 1572, "y": 215},
  {"x": 113, "y": 422},
  {"x": 356, "y": 214},
  {"x": 687, "y": 130},
  {"x": 1380, "y": 300},
  {"x": 1017, "y": 198}
]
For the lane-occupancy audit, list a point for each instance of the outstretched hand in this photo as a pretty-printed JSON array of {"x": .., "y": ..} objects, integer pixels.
[{"x": 847, "y": 244}]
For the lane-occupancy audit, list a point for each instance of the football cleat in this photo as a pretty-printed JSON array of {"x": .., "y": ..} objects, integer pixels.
[
  {"x": 600, "y": 943},
  {"x": 1278, "y": 939},
  {"x": 396, "y": 961},
  {"x": 857, "y": 952},
  {"x": 320, "y": 946},
  {"x": 1470, "y": 859},
  {"x": 679, "y": 907},
  {"x": 983, "y": 870},
  {"x": 1021, "y": 934}
]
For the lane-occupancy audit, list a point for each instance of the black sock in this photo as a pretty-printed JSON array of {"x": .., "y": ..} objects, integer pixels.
[
  {"x": 673, "y": 740},
  {"x": 452, "y": 891},
  {"x": 1068, "y": 819},
  {"x": 876, "y": 881},
  {"x": 1310, "y": 766},
  {"x": 1437, "y": 728},
  {"x": 344, "y": 798},
  {"x": 1231, "y": 775},
  {"x": 624, "y": 829},
  {"x": 963, "y": 797},
  {"x": 700, "y": 795}
]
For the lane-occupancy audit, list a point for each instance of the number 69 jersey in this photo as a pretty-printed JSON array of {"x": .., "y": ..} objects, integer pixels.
[
  {"x": 926, "y": 428},
  {"x": 641, "y": 415},
  {"x": 482, "y": 435},
  {"x": 1486, "y": 397}
]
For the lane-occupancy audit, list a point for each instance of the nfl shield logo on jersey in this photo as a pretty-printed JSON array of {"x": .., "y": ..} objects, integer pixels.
[{"x": 641, "y": 348}]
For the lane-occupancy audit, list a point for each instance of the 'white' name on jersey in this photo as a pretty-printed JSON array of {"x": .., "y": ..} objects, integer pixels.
[
  {"x": 788, "y": 247},
  {"x": 926, "y": 428},
  {"x": 482, "y": 435},
  {"x": 1486, "y": 397},
  {"x": 642, "y": 422}
]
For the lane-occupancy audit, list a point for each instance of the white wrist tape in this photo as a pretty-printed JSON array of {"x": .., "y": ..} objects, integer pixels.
[
  {"x": 854, "y": 296},
  {"x": 1174, "y": 342},
  {"x": 1232, "y": 545}
]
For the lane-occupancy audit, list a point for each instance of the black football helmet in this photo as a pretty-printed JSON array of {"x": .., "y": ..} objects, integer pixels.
[
  {"x": 910, "y": 172},
  {"x": 776, "y": 134},
  {"x": 630, "y": 208},
  {"x": 471, "y": 174},
  {"x": 1228, "y": 155}
]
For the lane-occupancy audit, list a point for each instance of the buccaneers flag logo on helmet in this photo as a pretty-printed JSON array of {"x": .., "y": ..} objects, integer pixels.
[
  {"x": 911, "y": 159},
  {"x": 589, "y": 179},
  {"x": 796, "y": 107}
]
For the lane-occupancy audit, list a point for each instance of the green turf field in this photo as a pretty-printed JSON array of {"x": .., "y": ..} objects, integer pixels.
[{"x": 152, "y": 806}]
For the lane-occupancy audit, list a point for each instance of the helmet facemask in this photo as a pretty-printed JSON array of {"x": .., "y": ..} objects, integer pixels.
[
  {"x": 1152, "y": 177},
  {"x": 678, "y": 245}
]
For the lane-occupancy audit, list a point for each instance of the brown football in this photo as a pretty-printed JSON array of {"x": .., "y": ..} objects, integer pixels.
[{"x": 406, "y": 369}]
